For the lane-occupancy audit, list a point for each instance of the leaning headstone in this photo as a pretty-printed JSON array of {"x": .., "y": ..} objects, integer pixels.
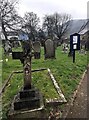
[
  {"x": 49, "y": 49},
  {"x": 37, "y": 49}
]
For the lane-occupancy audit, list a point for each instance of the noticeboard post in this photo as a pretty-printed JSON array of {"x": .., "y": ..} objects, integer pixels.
[{"x": 74, "y": 43}]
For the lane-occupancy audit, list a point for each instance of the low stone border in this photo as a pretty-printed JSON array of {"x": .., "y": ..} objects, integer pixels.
[
  {"x": 10, "y": 76},
  {"x": 75, "y": 93},
  {"x": 59, "y": 100},
  {"x": 70, "y": 103},
  {"x": 55, "y": 84},
  {"x": 7, "y": 81}
]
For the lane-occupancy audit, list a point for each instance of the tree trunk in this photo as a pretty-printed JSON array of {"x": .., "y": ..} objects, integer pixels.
[
  {"x": 4, "y": 31},
  {"x": 5, "y": 35}
]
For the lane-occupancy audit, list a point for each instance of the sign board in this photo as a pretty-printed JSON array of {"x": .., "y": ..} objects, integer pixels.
[
  {"x": 75, "y": 41},
  {"x": 74, "y": 47}
]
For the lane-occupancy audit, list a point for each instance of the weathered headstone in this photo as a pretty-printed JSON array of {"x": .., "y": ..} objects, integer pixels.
[
  {"x": 16, "y": 44},
  {"x": 29, "y": 98},
  {"x": 49, "y": 49},
  {"x": 37, "y": 49},
  {"x": 65, "y": 48},
  {"x": 82, "y": 51},
  {"x": 7, "y": 47},
  {"x": 87, "y": 45}
]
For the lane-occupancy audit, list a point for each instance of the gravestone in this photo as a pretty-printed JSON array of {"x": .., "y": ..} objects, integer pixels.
[
  {"x": 37, "y": 49},
  {"x": 49, "y": 49},
  {"x": 28, "y": 98},
  {"x": 16, "y": 44},
  {"x": 7, "y": 47},
  {"x": 65, "y": 48},
  {"x": 87, "y": 45},
  {"x": 82, "y": 51}
]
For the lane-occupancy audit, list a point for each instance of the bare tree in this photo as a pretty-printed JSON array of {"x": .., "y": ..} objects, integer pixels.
[
  {"x": 31, "y": 25},
  {"x": 9, "y": 18},
  {"x": 85, "y": 25},
  {"x": 61, "y": 24},
  {"x": 56, "y": 24},
  {"x": 48, "y": 25}
]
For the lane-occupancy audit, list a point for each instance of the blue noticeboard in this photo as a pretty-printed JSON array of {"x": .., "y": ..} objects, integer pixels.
[{"x": 75, "y": 41}]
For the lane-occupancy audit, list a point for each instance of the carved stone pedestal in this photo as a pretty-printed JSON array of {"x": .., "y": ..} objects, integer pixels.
[{"x": 27, "y": 104}]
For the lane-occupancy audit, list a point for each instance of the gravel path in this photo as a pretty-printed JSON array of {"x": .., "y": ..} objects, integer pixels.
[{"x": 79, "y": 108}]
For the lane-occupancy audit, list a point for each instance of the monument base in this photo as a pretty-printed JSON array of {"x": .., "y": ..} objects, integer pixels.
[
  {"x": 27, "y": 114},
  {"x": 26, "y": 104}
]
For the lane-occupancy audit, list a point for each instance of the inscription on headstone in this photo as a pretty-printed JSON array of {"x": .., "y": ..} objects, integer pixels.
[
  {"x": 27, "y": 76},
  {"x": 49, "y": 49}
]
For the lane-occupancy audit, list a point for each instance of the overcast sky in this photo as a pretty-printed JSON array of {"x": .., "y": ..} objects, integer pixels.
[{"x": 77, "y": 8}]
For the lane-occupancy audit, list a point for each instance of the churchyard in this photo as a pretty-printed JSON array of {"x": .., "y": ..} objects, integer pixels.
[
  {"x": 42, "y": 61},
  {"x": 66, "y": 73}
]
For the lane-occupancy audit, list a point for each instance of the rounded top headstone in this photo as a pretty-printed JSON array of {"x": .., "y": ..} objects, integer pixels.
[{"x": 36, "y": 46}]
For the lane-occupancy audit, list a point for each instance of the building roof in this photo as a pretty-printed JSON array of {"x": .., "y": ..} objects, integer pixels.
[{"x": 84, "y": 31}]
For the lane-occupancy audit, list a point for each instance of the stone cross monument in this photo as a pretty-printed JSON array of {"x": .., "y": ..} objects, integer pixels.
[
  {"x": 25, "y": 58},
  {"x": 28, "y": 97},
  {"x": 27, "y": 55}
]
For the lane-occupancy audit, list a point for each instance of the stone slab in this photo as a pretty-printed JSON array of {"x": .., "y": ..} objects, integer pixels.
[
  {"x": 27, "y": 104},
  {"x": 27, "y": 99},
  {"x": 26, "y": 108},
  {"x": 27, "y": 114},
  {"x": 27, "y": 94},
  {"x": 36, "y": 114}
]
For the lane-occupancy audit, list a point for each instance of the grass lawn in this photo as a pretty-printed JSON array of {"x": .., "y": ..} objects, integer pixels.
[
  {"x": 67, "y": 74},
  {"x": 0, "y": 66},
  {"x": 0, "y": 80}
]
